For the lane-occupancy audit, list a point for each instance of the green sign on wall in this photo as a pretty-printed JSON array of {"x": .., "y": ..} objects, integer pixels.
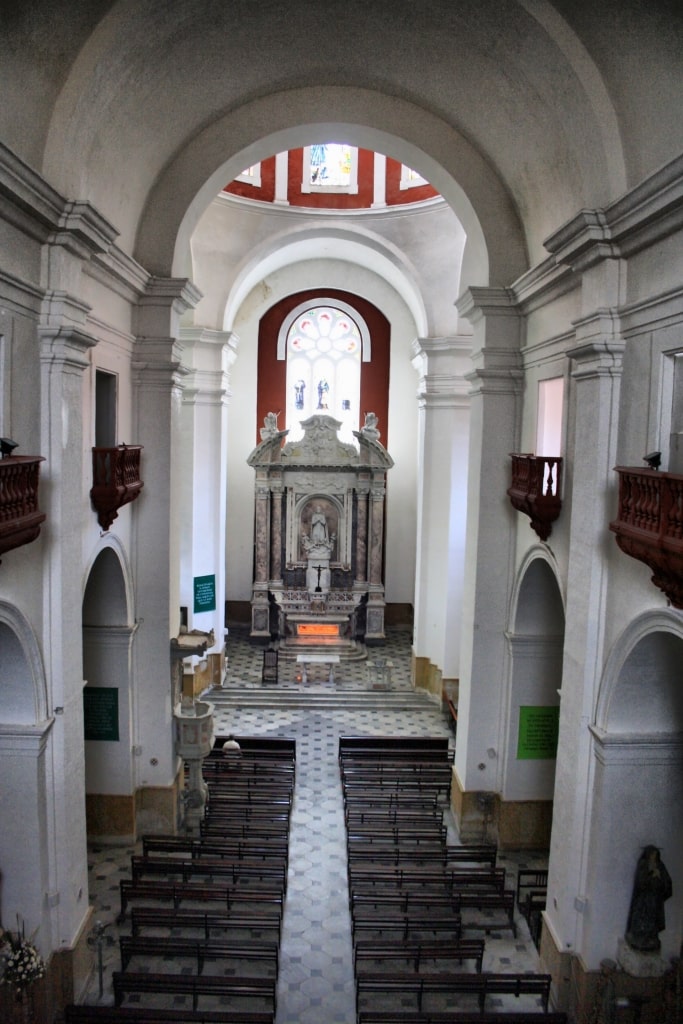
[
  {"x": 204, "y": 594},
  {"x": 101, "y": 712},
  {"x": 538, "y": 731}
]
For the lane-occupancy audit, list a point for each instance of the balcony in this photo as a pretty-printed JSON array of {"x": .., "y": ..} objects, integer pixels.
[
  {"x": 20, "y": 518},
  {"x": 649, "y": 525},
  {"x": 535, "y": 490},
  {"x": 116, "y": 480}
]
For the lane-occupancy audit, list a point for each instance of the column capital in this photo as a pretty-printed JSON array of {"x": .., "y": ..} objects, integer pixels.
[
  {"x": 163, "y": 303},
  {"x": 65, "y": 345},
  {"x": 477, "y": 302}
]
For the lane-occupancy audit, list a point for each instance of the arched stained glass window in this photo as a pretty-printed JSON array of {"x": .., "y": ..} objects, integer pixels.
[{"x": 324, "y": 350}]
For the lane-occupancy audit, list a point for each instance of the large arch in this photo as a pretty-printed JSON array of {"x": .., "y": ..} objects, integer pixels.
[
  {"x": 495, "y": 251},
  {"x": 503, "y": 83}
]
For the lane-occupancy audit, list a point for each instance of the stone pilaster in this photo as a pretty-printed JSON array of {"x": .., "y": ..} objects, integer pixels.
[
  {"x": 495, "y": 412},
  {"x": 209, "y": 356},
  {"x": 157, "y": 374},
  {"x": 596, "y": 372},
  {"x": 443, "y": 408}
]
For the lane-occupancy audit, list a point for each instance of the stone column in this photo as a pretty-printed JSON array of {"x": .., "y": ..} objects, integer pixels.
[
  {"x": 444, "y": 407},
  {"x": 260, "y": 613},
  {"x": 495, "y": 412},
  {"x": 276, "y": 532},
  {"x": 375, "y": 611},
  {"x": 361, "y": 540},
  {"x": 157, "y": 393}
]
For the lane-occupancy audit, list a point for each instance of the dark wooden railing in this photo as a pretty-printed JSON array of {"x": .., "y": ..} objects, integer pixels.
[
  {"x": 116, "y": 480},
  {"x": 649, "y": 525},
  {"x": 20, "y": 518},
  {"x": 535, "y": 490}
]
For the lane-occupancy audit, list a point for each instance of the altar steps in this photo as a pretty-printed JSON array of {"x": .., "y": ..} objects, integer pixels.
[{"x": 318, "y": 697}]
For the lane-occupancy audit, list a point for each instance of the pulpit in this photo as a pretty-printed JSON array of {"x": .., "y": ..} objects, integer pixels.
[{"x": 318, "y": 538}]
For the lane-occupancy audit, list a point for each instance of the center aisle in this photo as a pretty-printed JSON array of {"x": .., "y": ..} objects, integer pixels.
[{"x": 316, "y": 980}]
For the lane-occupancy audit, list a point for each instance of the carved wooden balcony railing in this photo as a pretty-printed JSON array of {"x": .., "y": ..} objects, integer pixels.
[
  {"x": 535, "y": 490},
  {"x": 649, "y": 525},
  {"x": 20, "y": 518},
  {"x": 116, "y": 480}
]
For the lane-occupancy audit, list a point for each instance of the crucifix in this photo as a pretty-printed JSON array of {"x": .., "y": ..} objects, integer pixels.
[{"x": 319, "y": 569}]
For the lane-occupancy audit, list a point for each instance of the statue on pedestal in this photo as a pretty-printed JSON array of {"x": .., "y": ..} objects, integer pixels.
[{"x": 651, "y": 888}]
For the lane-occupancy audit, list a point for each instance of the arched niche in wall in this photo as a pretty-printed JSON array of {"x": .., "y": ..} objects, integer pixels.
[
  {"x": 108, "y": 699},
  {"x": 638, "y": 778},
  {"x": 23, "y": 698},
  {"x": 272, "y": 371},
  {"x": 536, "y": 644}
]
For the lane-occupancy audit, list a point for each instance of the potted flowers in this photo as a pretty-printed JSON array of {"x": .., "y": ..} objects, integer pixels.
[{"x": 21, "y": 965}]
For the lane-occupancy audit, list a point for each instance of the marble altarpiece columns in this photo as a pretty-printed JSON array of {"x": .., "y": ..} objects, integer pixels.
[{"x": 319, "y": 530}]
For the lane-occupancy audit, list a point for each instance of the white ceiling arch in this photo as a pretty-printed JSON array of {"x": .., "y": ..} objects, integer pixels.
[
  {"x": 331, "y": 242},
  {"x": 495, "y": 252}
]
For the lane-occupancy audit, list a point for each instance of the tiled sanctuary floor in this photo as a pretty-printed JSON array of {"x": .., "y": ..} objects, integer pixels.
[{"x": 315, "y": 984}]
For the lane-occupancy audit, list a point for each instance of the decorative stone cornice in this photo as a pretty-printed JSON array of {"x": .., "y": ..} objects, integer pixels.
[
  {"x": 597, "y": 358},
  {"x": 649, "y": 212},
  {"x": 27, "y": 200},
  {"x": 83, "y": 231},
  {"x": 478, "y": 302},
  {"x": 65, "y": 345}
]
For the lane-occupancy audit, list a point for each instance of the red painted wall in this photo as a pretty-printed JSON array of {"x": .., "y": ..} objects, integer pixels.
[
  {"x": 395, "y": 196},
  {"x": 271, "y": 371}
]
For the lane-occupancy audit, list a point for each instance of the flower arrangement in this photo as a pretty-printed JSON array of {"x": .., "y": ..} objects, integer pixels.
[{"x": 23, "y": 962}]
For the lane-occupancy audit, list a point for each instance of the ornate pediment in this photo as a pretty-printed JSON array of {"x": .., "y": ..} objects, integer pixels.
[{"x": 320, "y": 445}]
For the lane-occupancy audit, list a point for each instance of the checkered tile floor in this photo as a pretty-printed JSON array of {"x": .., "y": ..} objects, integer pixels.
[{"x": 315, "y": 982}]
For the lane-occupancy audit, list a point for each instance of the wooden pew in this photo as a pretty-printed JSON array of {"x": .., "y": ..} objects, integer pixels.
[
  {"x": 149, "y": 1015},
  {"x": 259, "y": 919},
  {"x": 199, "y": 950},
  {"x": 194, "y": 985},
  {"x": 373, "y": 878},
  {"x": 416, "y": 953},
  {"x": 270, "y": 870},
  {"x": 479, "y": 985},
  {"x": 407, "y": 927},
  {"x": 459, "y": 1017},
  {"x": 181, "y": 892},
  {"x": 409, "y": 747}
]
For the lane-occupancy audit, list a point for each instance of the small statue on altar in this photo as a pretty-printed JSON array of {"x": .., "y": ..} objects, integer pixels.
[
  {"x": 369, "y": 428},
  {"x": 319, "y": 533},
  {"x": 269, "y": 428}
]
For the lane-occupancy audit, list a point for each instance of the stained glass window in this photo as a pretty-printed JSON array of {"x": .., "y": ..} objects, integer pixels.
[
  {"x": 330, "y": 167},
  {"x": 324, "y": 351}
]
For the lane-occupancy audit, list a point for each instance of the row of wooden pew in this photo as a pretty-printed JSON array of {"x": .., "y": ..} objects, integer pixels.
[
  {"x": 205, "y": 911},
  {"x": 417, "y": 901}
]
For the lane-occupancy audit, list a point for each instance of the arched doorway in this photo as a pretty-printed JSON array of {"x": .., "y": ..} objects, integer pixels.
[
  {"x": 108, "y": 701},
  {"x": 536, "y": 643}
]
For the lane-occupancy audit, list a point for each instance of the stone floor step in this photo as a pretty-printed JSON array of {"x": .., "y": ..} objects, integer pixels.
[{"x": 312, "y": 697}]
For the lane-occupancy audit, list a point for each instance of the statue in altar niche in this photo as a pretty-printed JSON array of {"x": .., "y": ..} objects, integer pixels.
[
  {"x": 651, "y": 888},
  {"x": 318, "y": 542}
]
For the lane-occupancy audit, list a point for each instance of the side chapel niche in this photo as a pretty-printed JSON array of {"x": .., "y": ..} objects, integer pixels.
[{"x": 318, "y": 538}]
